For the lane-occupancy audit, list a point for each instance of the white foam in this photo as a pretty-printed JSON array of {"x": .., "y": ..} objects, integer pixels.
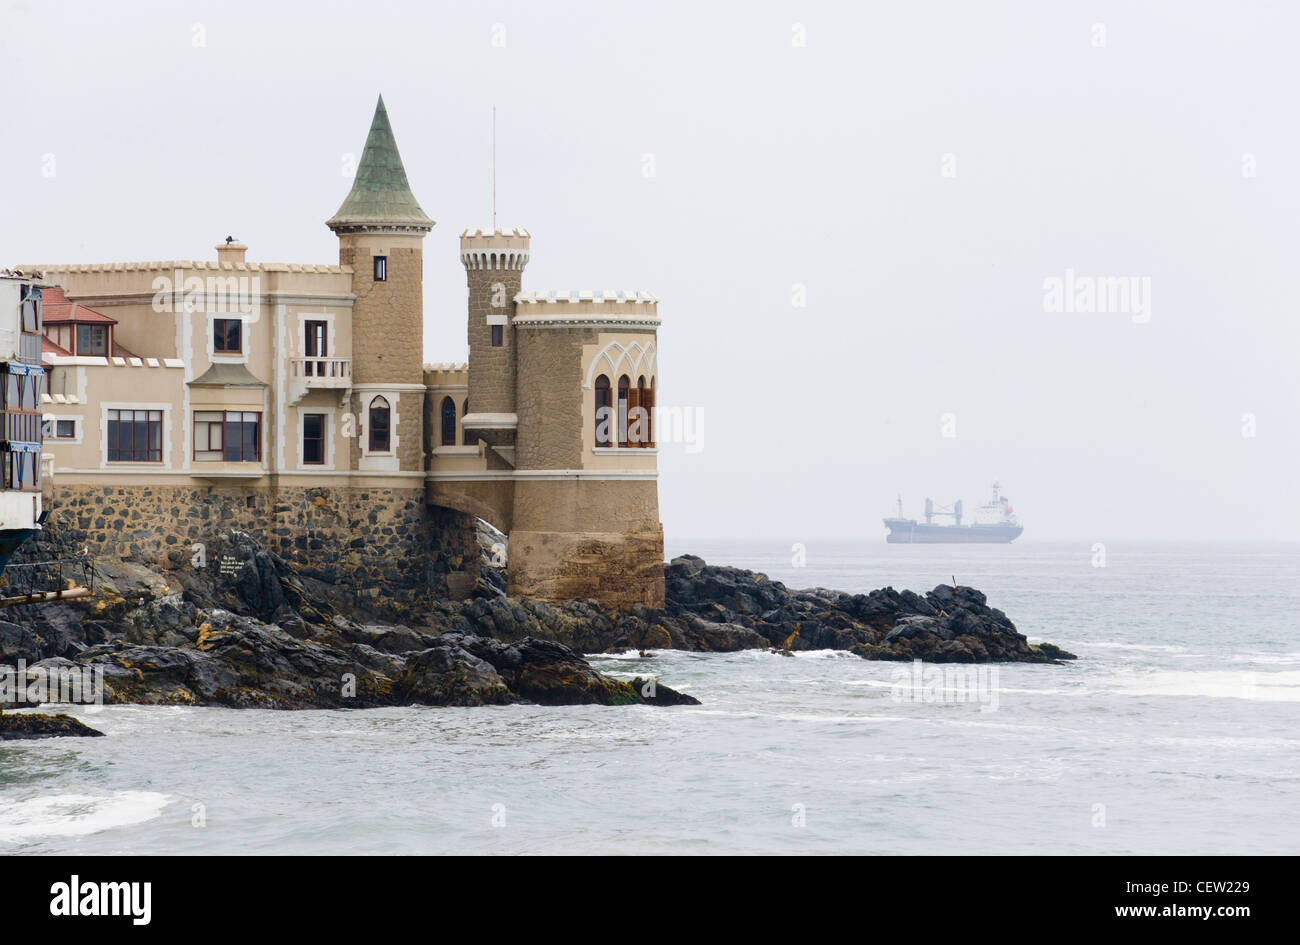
[
  {"x": 76, "y": 815},
  {"x": 1216, "y": 684}
]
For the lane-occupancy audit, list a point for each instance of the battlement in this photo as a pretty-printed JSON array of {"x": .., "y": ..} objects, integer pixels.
[
  {"x": 628, "y": 307},
  {"x": 50, "y": 269},
  {"x": 495, "y": 249},
  {"x": 586, "y": 295},
  {"x": 448, "y": 374}
]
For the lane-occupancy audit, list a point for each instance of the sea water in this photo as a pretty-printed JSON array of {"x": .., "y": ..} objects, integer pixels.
[{"x": 1174, "y": 732}]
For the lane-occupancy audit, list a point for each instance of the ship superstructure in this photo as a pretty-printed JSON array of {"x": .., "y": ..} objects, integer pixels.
[{"x": 994, "y": 522}]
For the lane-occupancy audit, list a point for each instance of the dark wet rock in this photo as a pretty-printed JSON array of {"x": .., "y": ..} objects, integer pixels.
[
  {"x": 450, "y": 675},
  {"x": 28, "y": 725},
  {"x": 949, "y": 624},
  {"x": 245, "y": 628},
  {"x": 656, "y": 693}
]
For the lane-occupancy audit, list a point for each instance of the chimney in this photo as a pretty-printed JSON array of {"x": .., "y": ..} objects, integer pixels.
[{"x": 230, "y": 251}]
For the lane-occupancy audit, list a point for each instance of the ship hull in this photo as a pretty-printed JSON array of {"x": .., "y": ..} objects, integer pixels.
[{"x": 906, "y": 532}]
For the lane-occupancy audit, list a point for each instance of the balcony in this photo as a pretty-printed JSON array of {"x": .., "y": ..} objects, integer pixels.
[{"x": 308, "y": 374}]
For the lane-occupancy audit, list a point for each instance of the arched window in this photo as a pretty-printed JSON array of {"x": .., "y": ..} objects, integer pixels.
[
  {"x": 604, "y": 413},
  {"x": 379, "y": 426},
  {"x": 465, "y": 438},
  {"x": 624, "y": 384},
  {"x": 648, "y": 398},
  {"x": 636, "y": 431},
  {"x": 645, "y": 402},
  {"x": 448, "y": 422}
]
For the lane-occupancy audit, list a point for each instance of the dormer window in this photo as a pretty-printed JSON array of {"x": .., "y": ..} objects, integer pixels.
[
  {"x": 72, "y": 329},
  {"x": 92, "y": 339},
  {"x": 381, "y": 268},
  {"x": 227, "y": 336}
]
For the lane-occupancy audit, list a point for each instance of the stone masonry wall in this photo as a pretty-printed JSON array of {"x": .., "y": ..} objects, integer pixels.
[
  {"x": 387, "y": 317},
  {"x": 491, "y": 370},
  {"x": 550, "y": 397},
  {"x": 384, "y": 545},
  {"x": 409, "y": 428},
  {"x": 619, "y": 570}
]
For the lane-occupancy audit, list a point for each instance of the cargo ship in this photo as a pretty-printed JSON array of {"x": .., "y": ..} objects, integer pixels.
[{"x": 995, "y": 522}]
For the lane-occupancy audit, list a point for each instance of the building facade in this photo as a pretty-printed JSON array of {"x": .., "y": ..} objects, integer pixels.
[
  {"x": 292, "y": 401},
  {"x": 22, "y": 389}
]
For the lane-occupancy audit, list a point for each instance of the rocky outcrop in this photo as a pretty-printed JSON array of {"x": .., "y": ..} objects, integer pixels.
[
  {"x": 215, "y": 657},
  {"x": 257, "y": 632},
  {"x": 720, "y": 609},
  {"x": 32, "y": 725},
  {"x": 949, "y": 624}
]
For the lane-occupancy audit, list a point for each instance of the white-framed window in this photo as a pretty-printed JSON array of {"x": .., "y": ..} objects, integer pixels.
[
  {"x": 379, "y": 425},
  {"x": 227, "y": 436},
  {"x": 315, "y": 431},
  {"x": 228, "y": 337},
  {"x": 134, "y": 436},
  {"x": 315, "y": 438}
]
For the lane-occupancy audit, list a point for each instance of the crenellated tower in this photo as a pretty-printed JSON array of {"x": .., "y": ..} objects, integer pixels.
[{"x": 494, "y": 263}]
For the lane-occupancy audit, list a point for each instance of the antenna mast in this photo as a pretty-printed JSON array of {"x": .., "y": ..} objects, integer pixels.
[{"x": 494, "y": 168}]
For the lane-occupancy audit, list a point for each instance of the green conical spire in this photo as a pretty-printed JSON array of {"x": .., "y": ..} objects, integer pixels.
[{"x": 380, "y": 195}]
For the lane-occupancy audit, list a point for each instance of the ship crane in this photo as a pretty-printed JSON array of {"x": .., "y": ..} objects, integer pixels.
[
  {"x": 994, "y": 522},
  {"x": 947, "y": 511}
]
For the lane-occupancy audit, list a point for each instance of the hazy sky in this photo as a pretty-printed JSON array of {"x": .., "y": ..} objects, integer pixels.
[{"x": 920, "y": 169}]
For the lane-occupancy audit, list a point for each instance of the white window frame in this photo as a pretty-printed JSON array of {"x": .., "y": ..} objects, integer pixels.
[
  {"x": 331, "y": 439},
  {"x": 166, "y": 409}
]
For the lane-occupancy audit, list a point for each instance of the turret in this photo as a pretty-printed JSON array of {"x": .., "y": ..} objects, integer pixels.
[
  {"x": 494, "y": 263},
  {"x": 381, "y": 230}
]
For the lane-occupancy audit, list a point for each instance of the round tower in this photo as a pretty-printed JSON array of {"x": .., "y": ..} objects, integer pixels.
[
  {"x": 381, "y": 230},
  {"x": 585, "y": 520},
  {"x": 494, "y": 263}
]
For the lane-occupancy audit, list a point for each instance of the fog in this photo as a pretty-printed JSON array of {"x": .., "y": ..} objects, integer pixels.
[{"x": 852, "y": 215}]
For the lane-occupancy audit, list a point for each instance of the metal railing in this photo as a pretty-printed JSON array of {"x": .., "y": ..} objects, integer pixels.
[{"x": 40, "y": 581}]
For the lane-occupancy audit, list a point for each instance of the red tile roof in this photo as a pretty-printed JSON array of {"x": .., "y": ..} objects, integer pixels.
[
  {"x": 49, "y": 347},
  {"x": 58, "y": 309}
]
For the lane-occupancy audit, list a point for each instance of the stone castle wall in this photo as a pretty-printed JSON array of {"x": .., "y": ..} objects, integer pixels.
[
  {"x": 491, "y": 370},
  {"x": 588, "y": 538},
  {"x": 550, "y": 396},
  {"x": 384, "y": 545},
  {"x": 386, "y": 316},
  {"x": 620, "y": 570}
]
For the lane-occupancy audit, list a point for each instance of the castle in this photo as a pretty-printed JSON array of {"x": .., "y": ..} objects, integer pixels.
[{"x": 292, "y": 401}]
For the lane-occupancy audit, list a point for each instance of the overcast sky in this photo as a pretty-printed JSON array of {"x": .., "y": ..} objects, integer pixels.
[{"x": 921, "y": 170}]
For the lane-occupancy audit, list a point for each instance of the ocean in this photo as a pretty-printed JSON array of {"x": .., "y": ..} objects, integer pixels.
[{"x": 1175, "y": 732}]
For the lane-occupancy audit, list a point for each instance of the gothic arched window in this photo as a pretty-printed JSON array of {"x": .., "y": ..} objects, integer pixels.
[
  {"x": 448, "y": 422},
  {"x": 624, "y": 385},
  {"x": 642, "y": 422},
  {"x": 379, "y": 426},
  {"x": 604, "y": 413},
  {"x": 465, "y": 438}
]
